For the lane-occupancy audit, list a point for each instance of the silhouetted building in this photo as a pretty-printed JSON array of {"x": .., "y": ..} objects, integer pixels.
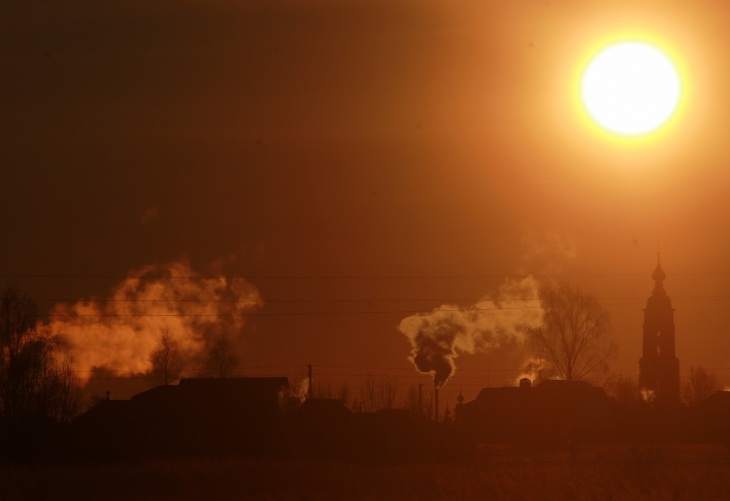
[
  {"x": 659, "y": 366},
  {"x": 458, "y": 407},
  {"x": 554, "y": 412},
  {"x": 709, "y": 420},
  {"x": 198, "y": 416}
]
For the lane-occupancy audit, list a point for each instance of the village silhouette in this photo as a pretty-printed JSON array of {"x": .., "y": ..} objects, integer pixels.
[{"x": 261, "y": 416}]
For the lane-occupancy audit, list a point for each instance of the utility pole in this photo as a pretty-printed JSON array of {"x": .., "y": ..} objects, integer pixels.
[{"x": 311, "y": 390}]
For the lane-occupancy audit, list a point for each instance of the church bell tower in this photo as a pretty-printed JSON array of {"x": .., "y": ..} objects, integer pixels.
[{"x": 659, "y": 366}]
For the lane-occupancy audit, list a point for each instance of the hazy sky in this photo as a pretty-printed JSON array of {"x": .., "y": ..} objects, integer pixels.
[{"x": 361, "y": 161}]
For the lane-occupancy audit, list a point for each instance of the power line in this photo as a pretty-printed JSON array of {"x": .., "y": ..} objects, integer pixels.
[
  {"x": 267, "y": 314},
  {"x": 13, "y": 276},
  {"x": 308, "y": 313},
  {"x": 329, "y": 300},
  {"x": 294, "y": 277},
  {"x": 627, "y": 299},
  {"x": 487, "y": 373}
]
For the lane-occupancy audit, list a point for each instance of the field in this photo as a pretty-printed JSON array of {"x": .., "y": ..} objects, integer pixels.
[{"x": 615, "y": 474}]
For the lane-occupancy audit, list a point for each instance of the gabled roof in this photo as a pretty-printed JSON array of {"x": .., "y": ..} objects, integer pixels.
[
  {"x": 104, "y": 411},
  {"x": 717, "y": 402},
  {"x": 216, "y": 388},
  {"x": 549, "y": 389},
  {"x": 156, "y": 393},
  {"x": 237, "y": 384},
  {"x": 556, "y": 386}
]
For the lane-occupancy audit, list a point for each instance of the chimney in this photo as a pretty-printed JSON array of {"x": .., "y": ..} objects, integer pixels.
[
  {"x": 436, "y": 397},
  {"x": 525, "y": 383},
  {"x": 310, "y": 393},
  {"x": 420, "y": 399}
]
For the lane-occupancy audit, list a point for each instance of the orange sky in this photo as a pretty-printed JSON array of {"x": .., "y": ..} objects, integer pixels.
[{"x": 404, "y": 154}]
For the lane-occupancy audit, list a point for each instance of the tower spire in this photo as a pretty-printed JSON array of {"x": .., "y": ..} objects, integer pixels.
[
  {"x": 658, "y": 276},
  {"x": 659, "y": 366}
]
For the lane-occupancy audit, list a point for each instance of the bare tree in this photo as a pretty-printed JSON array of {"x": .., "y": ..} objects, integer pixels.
[
  {"x": 328, "y": 391},
  {"x": 413, "y": 401},
  {"x": 343, "y": 394},
  {"x": 23, "y": 354},
  {"x": 25, "y": 375},
  {"x": 574, "y": 339},
  {"x": 62, "y": 390},
  {"x": 369, "y": 397},
  {"x": 18, "y": 321},
  {"x": 221, "y": 360},
  {"x": 699, "y": 385},
  {"x": 379, "y": 393},
  {"x": 33, "y": 382},
  {"x": 166, "y": 359},
  {"x": 388, "y": 392}
]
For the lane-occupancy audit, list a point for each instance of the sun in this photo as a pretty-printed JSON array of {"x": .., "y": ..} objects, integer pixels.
[{"x": 631, "y": 88}]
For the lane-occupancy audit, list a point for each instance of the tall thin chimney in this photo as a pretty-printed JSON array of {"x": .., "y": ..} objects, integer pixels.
[
  {"x": 436, "y": 398},
  {"x": 311, "y": 390}
]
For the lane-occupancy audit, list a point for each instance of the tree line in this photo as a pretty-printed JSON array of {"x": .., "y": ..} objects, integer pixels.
[{"x": 37, "y": 380}]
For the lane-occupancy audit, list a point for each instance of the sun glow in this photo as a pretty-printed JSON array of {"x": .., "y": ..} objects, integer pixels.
[{"x": 630, "y": 88}]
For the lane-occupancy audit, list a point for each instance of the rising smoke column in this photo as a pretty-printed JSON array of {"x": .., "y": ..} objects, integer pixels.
[
  {"x": 119, "y": 333},
  {"x": 440, "y": 336}
]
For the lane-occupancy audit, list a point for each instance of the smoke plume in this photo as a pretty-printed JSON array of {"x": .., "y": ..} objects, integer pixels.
[
  {"x": 548, "y": 253},
  {"x": 119, "y": 333},
  {"x": 439, "y": 337}
]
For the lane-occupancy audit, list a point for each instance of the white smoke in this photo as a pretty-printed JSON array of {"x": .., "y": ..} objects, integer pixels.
[
  {"x": 534, "y": 368},
  {"x": 548, "y": 253},
  {"x": 647, "y": 395},
  {"x": 119, "y": 333},
  {"x": 439, "y": 337}
]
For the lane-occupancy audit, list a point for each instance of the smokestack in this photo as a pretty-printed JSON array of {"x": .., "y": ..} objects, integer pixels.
[
  {"x": 436, "y": 398},
  {"x": 311, "y": 390}
]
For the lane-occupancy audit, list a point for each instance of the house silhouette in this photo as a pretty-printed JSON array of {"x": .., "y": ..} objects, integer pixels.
[
  {"x": 710, "y": 420},
  {"x": 211, "y": 416},
  {"x": 553, "y": 413}
]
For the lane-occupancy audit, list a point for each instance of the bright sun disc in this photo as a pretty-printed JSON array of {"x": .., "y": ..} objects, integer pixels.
[{"x": 630, "y": 88}]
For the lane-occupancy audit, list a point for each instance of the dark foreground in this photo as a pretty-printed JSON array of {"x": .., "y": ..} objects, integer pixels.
[{"x": 619, "y": 473}]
